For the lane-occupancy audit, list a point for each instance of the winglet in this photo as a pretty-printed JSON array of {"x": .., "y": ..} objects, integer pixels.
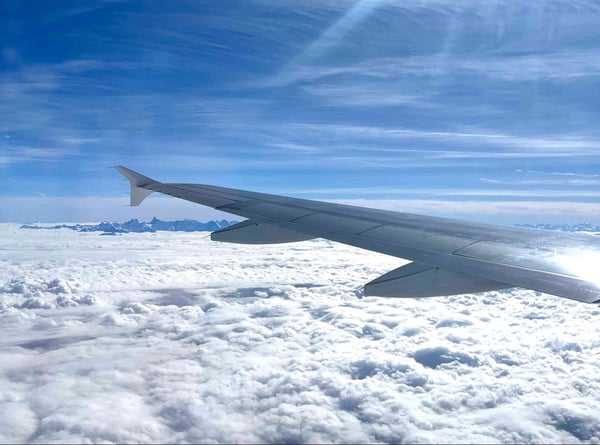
[{"x": 138, "y": 184}]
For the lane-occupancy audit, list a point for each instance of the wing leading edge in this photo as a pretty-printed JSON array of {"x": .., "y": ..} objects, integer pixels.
[{"x": 449, "y": 256}]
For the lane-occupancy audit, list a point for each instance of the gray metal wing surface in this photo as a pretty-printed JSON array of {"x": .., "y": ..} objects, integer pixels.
[{"x": 448, "y": 256}]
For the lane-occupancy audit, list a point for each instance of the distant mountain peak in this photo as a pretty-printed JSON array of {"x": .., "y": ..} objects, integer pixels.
[{"x": 136, "y": 226}]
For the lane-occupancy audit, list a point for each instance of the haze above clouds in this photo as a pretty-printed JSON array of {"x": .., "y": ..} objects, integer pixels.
[
  {"x": 169, "y": 337},
  {"x": 441, "y": 101}
]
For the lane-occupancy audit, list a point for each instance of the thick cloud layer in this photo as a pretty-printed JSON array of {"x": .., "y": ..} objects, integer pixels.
[{"x": 168, "y": 337}]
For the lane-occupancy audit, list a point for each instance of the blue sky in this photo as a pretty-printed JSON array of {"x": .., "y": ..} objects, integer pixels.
[{"x": 456, "y": 107}]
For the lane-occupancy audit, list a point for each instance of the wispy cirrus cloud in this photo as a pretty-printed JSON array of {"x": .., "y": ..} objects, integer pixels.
[
  {"x": 568, "y": 181},
  {"x": 327, "y": 40},
  {"x": 457, "y": 193},
  {"x": 376, "y": 93},
  {"x": 366, "y": 94},
  {"x": 573, "y": 143},
  {"x": 510, "y": 67},
  {"x": 20, "y": 154},
  {"x": 496, "y": 211},
  {"x": 578, "y": 175}
]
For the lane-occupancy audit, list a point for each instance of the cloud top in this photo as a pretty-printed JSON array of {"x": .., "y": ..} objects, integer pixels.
[{"x": 167, "y": 337}]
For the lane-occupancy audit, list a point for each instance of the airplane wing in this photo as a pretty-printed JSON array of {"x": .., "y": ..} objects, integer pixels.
[{"x": 448, "y": 256}]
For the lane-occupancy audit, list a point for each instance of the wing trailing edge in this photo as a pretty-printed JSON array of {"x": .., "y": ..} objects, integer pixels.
[
  {"x": 421, "y": 280},
  {"x": 250, "y": 232}
]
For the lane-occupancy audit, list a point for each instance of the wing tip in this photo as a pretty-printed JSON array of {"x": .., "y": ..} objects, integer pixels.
[
  {"x": 134, "y": 177},
  {"x": 138, "y": 182}
]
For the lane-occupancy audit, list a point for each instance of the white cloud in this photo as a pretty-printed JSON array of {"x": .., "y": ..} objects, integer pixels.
[
  {"x": 366, "y": 94},
  {"x": 561, "y": 180},
  {"x": 21, "y": 153},
  {"x": 489, "y": 193},
  {"x": 188, "y": 340},
  {"x": 547, "y": 65},
  {"x": 327, "y": 40},
  {"x": 539, "y": 145}
]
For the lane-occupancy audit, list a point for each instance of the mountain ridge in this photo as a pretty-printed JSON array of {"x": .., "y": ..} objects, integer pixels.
[
  {"x": 136, "y": 226},
  {"x": 191, "y": 225}
]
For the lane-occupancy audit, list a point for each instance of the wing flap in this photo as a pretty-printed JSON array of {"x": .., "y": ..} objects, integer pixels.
[
  {"x": 250, "y": 232},
  {"x": 421, "y": 280}
]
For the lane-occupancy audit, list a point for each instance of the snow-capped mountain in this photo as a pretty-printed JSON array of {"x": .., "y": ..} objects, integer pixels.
[{"x": 135, "y": 226}]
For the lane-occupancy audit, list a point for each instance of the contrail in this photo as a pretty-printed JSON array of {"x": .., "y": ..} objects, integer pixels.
[{"x": 327, "y": 40}]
